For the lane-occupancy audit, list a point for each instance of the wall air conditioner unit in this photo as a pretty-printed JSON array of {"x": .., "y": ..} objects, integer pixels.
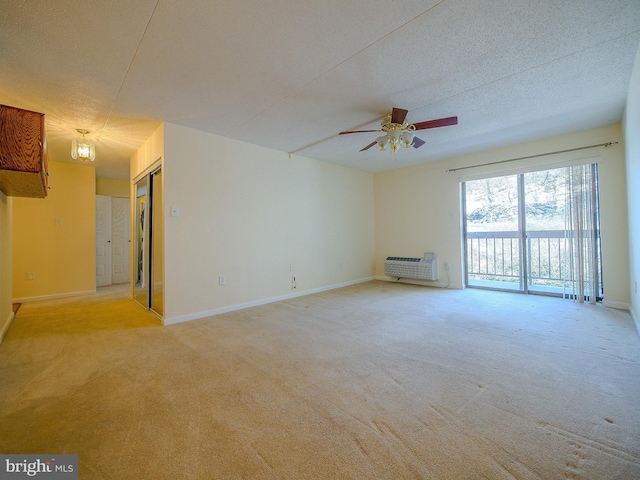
[{"x": 425, "y": 268}]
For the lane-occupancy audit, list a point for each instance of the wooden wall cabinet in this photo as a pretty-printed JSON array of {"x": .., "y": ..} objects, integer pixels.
[{"x": 23, "y": 153}]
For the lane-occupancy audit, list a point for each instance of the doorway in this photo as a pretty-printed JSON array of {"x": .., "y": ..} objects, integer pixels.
[
  {"x": 113, "y": 220},
  {"x": 148, "y": 282},
  {"x": 535, "y": 232}
]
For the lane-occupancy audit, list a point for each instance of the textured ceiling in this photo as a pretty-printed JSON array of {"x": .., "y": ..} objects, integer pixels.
[{"x": 291, "y": 75}]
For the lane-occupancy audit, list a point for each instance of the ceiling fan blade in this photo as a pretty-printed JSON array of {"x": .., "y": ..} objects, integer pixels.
[
  {"x": 368, "y": 146},
  {"x": 398, "y": 115},
  {"x": 439, "y": 122},
  {"x": 417, "y": 142},
  {"x": 359, "y": 131}
]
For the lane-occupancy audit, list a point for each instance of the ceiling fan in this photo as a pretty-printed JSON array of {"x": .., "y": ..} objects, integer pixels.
[{"x": 397, "y": 132}]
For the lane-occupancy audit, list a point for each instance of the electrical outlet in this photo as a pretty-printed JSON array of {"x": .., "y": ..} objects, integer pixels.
[
  {"x": 222, "y": 280},
  {"x": 293, "y": 282}
]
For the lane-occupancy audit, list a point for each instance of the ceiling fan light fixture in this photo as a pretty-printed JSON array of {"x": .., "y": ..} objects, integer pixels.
[
  {"x": 383, "y": 142},
  {"x": 407, "y": 139},
  {"x": 394, "y": 134},
  {"x": 400, "y": 133},
  {"x": 394, "y": 139},
  {"x": 82, "y": 148}
]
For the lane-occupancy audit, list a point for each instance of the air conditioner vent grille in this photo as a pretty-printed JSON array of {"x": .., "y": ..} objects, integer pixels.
[
  {"x": 410, "y": 267},
  {"x": 404, "y": 259}
]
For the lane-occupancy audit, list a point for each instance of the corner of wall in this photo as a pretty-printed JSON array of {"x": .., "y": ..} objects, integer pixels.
[
  {"x": 636, "y": 321},
  {"x": 6, "y": 263},
  {"x": 631, "y": 124},
  {"x": 5, "y": 327}
]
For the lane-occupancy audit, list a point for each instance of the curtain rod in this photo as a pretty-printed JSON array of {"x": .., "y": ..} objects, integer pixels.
[{"x": 608, "y": 144}]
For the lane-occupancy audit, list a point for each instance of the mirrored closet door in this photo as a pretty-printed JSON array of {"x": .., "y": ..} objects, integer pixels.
[{"x": 148, "y": 280}]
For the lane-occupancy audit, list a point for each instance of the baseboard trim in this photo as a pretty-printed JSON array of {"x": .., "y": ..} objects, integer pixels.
[
  {"x": 257, "y": 303},
  {"x": 423, "y": 283},
  {"x": 54, "y": 296},
  {"x": 616, "y": 305},
  {"x": 6, "y": 326}
]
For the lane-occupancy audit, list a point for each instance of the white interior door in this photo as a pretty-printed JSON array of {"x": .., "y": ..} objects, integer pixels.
[
  {"x": 103, "y": 240},
  {"x": 120, "y": 239}
]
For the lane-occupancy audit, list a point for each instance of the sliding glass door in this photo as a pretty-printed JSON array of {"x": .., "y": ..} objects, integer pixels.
[
  {"x": 535, "y": 232},
  {"x": 493, "y": 233}
]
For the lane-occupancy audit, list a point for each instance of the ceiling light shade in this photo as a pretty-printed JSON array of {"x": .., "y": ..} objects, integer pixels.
[
  {"x": 406, "y": 139},
  {"x": 394, "y": 137},
  {"x": 383, "y": 142},
  {"x": 82, "y": 148}
]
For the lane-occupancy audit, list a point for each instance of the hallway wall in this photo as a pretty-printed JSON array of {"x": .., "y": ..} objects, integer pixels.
[{"x": 54, "y": 238}]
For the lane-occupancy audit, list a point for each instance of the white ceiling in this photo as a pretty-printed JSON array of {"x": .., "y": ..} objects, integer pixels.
[{"x": 291, "y": 75}]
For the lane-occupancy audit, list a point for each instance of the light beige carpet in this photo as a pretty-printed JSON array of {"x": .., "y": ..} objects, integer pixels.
[{"x": 373, "y": 381}]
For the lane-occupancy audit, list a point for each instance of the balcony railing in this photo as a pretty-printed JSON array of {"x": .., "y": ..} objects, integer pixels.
[{"x": 493, "y": 259}]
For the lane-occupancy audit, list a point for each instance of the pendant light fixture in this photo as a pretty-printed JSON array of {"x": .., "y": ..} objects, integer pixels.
[{"x": 82, "y": 148}]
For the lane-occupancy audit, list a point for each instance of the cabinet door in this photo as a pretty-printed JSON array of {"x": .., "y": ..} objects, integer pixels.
[{"x": 22, "y": 157}]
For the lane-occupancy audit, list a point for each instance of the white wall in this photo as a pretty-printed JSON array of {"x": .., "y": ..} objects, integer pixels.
[
  {"x": 112, "y": 187},
  {"x": 418, "y": 208},
  {"x": 632, "y": 142},
  {"x": 256, "y": 216},
  {"x": 150, "y": 152}
]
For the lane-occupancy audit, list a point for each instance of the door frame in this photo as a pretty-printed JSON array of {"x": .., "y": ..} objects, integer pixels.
[{"x": 148, "y": 240}]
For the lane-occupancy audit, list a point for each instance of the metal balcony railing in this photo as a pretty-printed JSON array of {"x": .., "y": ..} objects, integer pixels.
[{"x": 494, "y": 258}]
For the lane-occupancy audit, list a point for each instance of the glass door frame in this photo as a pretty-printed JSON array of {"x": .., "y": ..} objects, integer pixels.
[
  {"x": 147, "y": 285},
  {"x": 526, "y": 238},
  {"x": 519, "y": 237},
  {"x": 522, "y": 231},
  {"x": 139, "y": 278}
]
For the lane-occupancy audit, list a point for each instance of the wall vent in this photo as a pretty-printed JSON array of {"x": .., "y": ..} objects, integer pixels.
[{"x": 410, "y": 267}]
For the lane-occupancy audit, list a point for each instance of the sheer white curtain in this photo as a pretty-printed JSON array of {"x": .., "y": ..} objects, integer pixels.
[{"x": 581, "y": 235}]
